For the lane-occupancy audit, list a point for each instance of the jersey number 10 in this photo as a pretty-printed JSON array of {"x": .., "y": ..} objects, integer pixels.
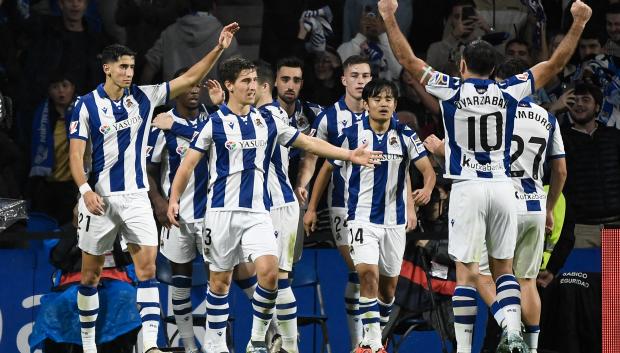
[{"x": 484, "y": 134}]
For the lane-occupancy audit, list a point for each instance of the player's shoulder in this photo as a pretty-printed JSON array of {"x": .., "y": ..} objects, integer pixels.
[{"x": 516, "y": 80}]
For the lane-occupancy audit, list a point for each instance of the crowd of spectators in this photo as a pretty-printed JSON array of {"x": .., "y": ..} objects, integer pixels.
[{"x": 51, "y": 47}]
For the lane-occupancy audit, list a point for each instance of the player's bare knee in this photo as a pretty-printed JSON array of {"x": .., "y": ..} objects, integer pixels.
[
  {"x": 90, "y": 277},
  {"x": 369, "y": 279},
  {"x": 145, "y": 271}
]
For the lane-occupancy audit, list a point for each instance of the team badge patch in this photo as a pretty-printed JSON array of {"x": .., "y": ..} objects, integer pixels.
[
  {"x": 104, "y": 129},
  {"x": 439, "y": 79},
  {"x": 181, "y": 150},
  {"x": 258, "y": 122},
  {"x": 522, "y": 77},
  {"x": 73, "y": 127},
  {"x": 231, "y": 145},
  {"x": 393, "y": 141}
]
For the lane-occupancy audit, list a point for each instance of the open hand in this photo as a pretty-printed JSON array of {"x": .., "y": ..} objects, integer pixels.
[
  {"x": 216, "y": 93},
  {"x": 365, "y": 157},
  {"x": 227, "y": 34}
]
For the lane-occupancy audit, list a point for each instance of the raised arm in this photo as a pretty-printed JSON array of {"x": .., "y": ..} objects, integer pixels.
[
  {"x": 200, "y": 69},
  {"x": 399, "y": 44},
  {"x": 543, "y": 72},
  {"x": 322, "y": 148}
]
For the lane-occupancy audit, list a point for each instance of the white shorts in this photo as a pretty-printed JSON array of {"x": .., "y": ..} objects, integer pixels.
[
  {"x": 529, "y": 249},
  {"x": 130, "y": 215},
  {"x": 375, "y": 245},
  {"x": 231, "y": 237},
  {"x": 479, "y": 212},
  {"x": 338, "y": 223},
  {"x": 285, "y": 221},
  {"x": 179, "y": 244}
]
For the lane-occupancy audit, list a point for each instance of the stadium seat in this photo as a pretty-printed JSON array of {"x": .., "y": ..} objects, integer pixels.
[
  {"x": 41, "y": 222},
  {"x": 305, "y": 275}
]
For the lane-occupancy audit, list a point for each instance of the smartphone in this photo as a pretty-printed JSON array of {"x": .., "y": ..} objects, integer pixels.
[{"x": 467, "y": 13}]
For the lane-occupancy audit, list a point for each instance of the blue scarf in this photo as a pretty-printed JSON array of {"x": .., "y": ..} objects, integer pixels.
[{"x": 42, "y": 149}]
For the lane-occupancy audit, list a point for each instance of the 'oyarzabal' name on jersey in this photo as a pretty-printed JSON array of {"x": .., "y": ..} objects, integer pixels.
[
  {"x": 536, "y": 117},
  {"x": 480, "y": 100},
  {"x": 121, "y": 125},
  {"x": 467, "y": 162},
  {"x": 244, "y": 144}
]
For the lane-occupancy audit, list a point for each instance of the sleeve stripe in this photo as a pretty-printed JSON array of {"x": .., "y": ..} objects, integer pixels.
[
  {"x": 557, "y": 156},
  {"x": 192, "y": 146},
  {"x": 288, "y": 144},
  {"x": 78, "y": 137}
]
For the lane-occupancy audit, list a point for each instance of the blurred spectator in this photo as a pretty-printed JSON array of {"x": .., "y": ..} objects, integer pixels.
[
  {"x": 322, "y": 83},
  {"x": 12, "y": 170},
  {"x": 354, "y": 9},
  {"x": 185, "y": 42},
  {"x": 371, "y": 41},
  {"x": 592, "y": 188},
  {"x": 518, "y": 49},
  {"x": 51, "y": 186},
  {"x": 11, "y": 18},
  {"x": 144, "y": 20},
  {"x": 590, "y": 44},
  {"x": 444, "y": 55},
  {"x": 612, "y": 26},
  {"x": 57, "y": 44}
]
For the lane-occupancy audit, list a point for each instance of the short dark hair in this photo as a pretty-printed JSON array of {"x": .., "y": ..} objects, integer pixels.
[
  {"x": 290, "y": 61},
  {"x": 590, "y": 33},
  {"x": 264, "y": 73},
  {"x": 59, "y": 76},
  {"x": 584, "y": 88},
  {"x": 480, "y": 57},
  {"x": 510, "y": 67},
  {"x": 230, "y": 69},
  {"x": 354, "y": 60},
  {"x": 378, "y": 85},
  {"x": 518, "y": 41},
  {"x": 113, "y": 53}
]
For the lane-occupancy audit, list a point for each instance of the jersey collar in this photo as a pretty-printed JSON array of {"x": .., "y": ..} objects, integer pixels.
[
  {"x": 366, "y": 123},
  {"x": 226, "y": 111},
  {"x": 103, "y": 94}
]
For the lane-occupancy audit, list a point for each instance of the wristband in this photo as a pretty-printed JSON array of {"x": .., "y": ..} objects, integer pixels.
[{"x": 84, "y": 188}]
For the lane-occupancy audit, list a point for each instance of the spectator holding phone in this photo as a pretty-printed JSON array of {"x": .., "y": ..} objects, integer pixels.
[{"x": 465, "y": 25}]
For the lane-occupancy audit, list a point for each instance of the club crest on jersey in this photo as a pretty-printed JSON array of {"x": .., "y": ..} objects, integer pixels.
[
  {"x": 181, "y": 150},
  {"x": 73, "y": 127},
  {"x": 522, "y": 77},
  {"x": 258, "y": 122},
  {"x": 393, "y": 141},
  {"x": 302, "y": 122},
  {"x": 128, "y": 103},
  {"x": 439, "y": 79}
]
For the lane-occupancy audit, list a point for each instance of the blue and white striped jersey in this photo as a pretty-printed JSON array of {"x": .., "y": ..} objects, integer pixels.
[
  {"x": 378, "y": 195},
  {"x": 303, "y": 119},
  {"x": 239, "y": 150},
  {"x": 168, "y": 149},
  {"x": 479, "y": 119},
  {"x": 116, "y": 133},
  {"x": 328, "y": 126},
  {"x": 536, "y": 138},
  {"x": 279, "y": 186}
]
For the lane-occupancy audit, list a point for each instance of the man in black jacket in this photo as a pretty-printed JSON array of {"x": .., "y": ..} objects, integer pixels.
[{"x": 592, "y": 188}]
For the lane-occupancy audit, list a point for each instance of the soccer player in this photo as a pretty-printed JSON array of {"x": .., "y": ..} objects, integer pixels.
[
  {"x": 349, "y": 110},
  {"x": 167, "y": 145},
  {"x": 240, "y": 142},
  {"x": 112, "y": 122},
  {"x": 380, "y": 205},
  {"x": 536, "y": 139},
  {"x": 479, "y": 117}
]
